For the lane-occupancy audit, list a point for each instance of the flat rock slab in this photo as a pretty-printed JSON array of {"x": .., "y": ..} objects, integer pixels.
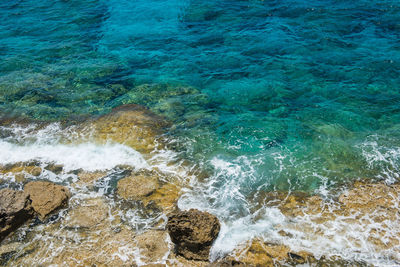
[
  {"x": 137, "y": 186},
  {"x": 88, "y": 214},
  {"x": 153, "y": 246},
  {"x": 15, "y": 209},
  {"x": 193, "y": 233},
  {"x": 47, "y": 197}
]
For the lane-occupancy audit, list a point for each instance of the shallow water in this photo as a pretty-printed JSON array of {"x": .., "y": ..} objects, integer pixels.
[{"x": 264, "y": 95}]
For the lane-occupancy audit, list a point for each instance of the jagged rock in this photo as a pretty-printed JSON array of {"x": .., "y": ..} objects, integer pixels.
[
  {"x": 153, "y": 246},
  {"x": 15, "y": 209},
  {"x": 137, "y": 186},
  {"x": 47, "y": 197},
  {"x": 193, "y": 233}
]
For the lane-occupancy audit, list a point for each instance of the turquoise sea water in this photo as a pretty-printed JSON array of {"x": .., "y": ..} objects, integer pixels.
[{"x": 286, "y": 95}]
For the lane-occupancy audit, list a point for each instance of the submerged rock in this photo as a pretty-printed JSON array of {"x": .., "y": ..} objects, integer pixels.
[
  {"x": 7, "y": 250},
  {"x": 137, "y": 186},
  {"x": 259, "y": 253},
  {"x": 21, "y": 170},
  {"x": 88, "y": 178},
  {"x": 193, "y": 233},
  {"x": 88, "y": 214},
  {"x": 179, "y": 261},
  {"x": 55, "y": 168},
  {"x": 153, "y": 246},
  {"x": 164, "y": 198},
  {"x": 15, "y": 209},
  {"x": 229, "y": 263},
  {"x": 47, "y": 197},
  {"x": 132, "y": 125},
  {"x": 370, "y": 197}
]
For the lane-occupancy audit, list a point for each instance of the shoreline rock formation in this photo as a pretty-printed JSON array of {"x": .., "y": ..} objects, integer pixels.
[
  {"x": 47, "y": 197},
  {"x": 193, "y": 233},
  {"x": 15, "y": 210},
  {"x": 95, "y": 226}
]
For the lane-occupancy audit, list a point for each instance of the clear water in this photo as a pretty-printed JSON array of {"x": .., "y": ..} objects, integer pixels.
[{"x": 286, "y": 95}]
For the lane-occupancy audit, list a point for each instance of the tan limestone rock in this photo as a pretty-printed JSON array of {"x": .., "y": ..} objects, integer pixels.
[
  {"x": 47, "y": 197},
  {"x": 15, "y": 209},
  {"x": 164, "y": 197},
  {"x": 132, "y": 125},
  {"x": 193, "y": 232},
  {"x": 88, "y": 214},
  {"x": 137, "y": 186},
  {"x": 153, "y": 246}
]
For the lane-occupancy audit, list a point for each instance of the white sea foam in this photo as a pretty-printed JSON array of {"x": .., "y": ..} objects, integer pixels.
[
  {"x": 382, "y": 157},
  {"x": 87, "y": 156}
]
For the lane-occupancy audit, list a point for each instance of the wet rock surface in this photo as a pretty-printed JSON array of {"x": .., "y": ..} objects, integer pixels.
[
  {"x": 137, "y": 186},
  {"x": 130, "y": 124},
  {"x": 153, "y": 246},
  {"x": 88, "y": 214},
  {"x": 7, "y": 251},
  {"x": 15, "y": 209},
  {"x": 193, "y": 233},
  {"x": 164, "y": 198},
  {"x": 46, "y": 197},
  {"x": 259, "y": 253}
]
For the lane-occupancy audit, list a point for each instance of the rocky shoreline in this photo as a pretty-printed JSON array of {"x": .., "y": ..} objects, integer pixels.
[{"x": 75, "y": 225}]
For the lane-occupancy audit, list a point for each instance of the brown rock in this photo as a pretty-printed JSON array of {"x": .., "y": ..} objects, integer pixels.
[
  {"x": 102, "y": 247},
  {"x": 7, "y": 250},
  {"x": 259, "y": 253},
  {"x": 255, "y": 254},
  {"x": 164, "y": 197},
  {"x": 15, "y": 209},
  {"x": 55, "y": 168},
  {"x": 153, "y": 246},
  {"x": 47, "y": 197},
  {"x": 36, "y": 171},
  {"x": 179, "y": 261},
  {"x": 368, "y": 197},
  {"x": 229, "y": 263},
  {"x": 20, "y": 177},
  {"x": 132, "y": 125},
  {"x": 88, "y": 214},
  {"x": 87, "y": 178},
  {"x": 20, "y": 169},
  {"x": 136, "y": 186},
  {"x": 193, "y": 233}
]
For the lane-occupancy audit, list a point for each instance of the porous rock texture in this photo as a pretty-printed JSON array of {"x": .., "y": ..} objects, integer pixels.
[
  {"x": 136, "y": 187},
  {"x": 193, "y": 233},
  {"x": 15, "y": 209},
  {"x": 130, "y": 124},
  {"x": 47, "y": 197}
]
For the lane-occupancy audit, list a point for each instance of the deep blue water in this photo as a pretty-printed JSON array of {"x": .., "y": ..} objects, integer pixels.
[{"x": 290, "y": 94}]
